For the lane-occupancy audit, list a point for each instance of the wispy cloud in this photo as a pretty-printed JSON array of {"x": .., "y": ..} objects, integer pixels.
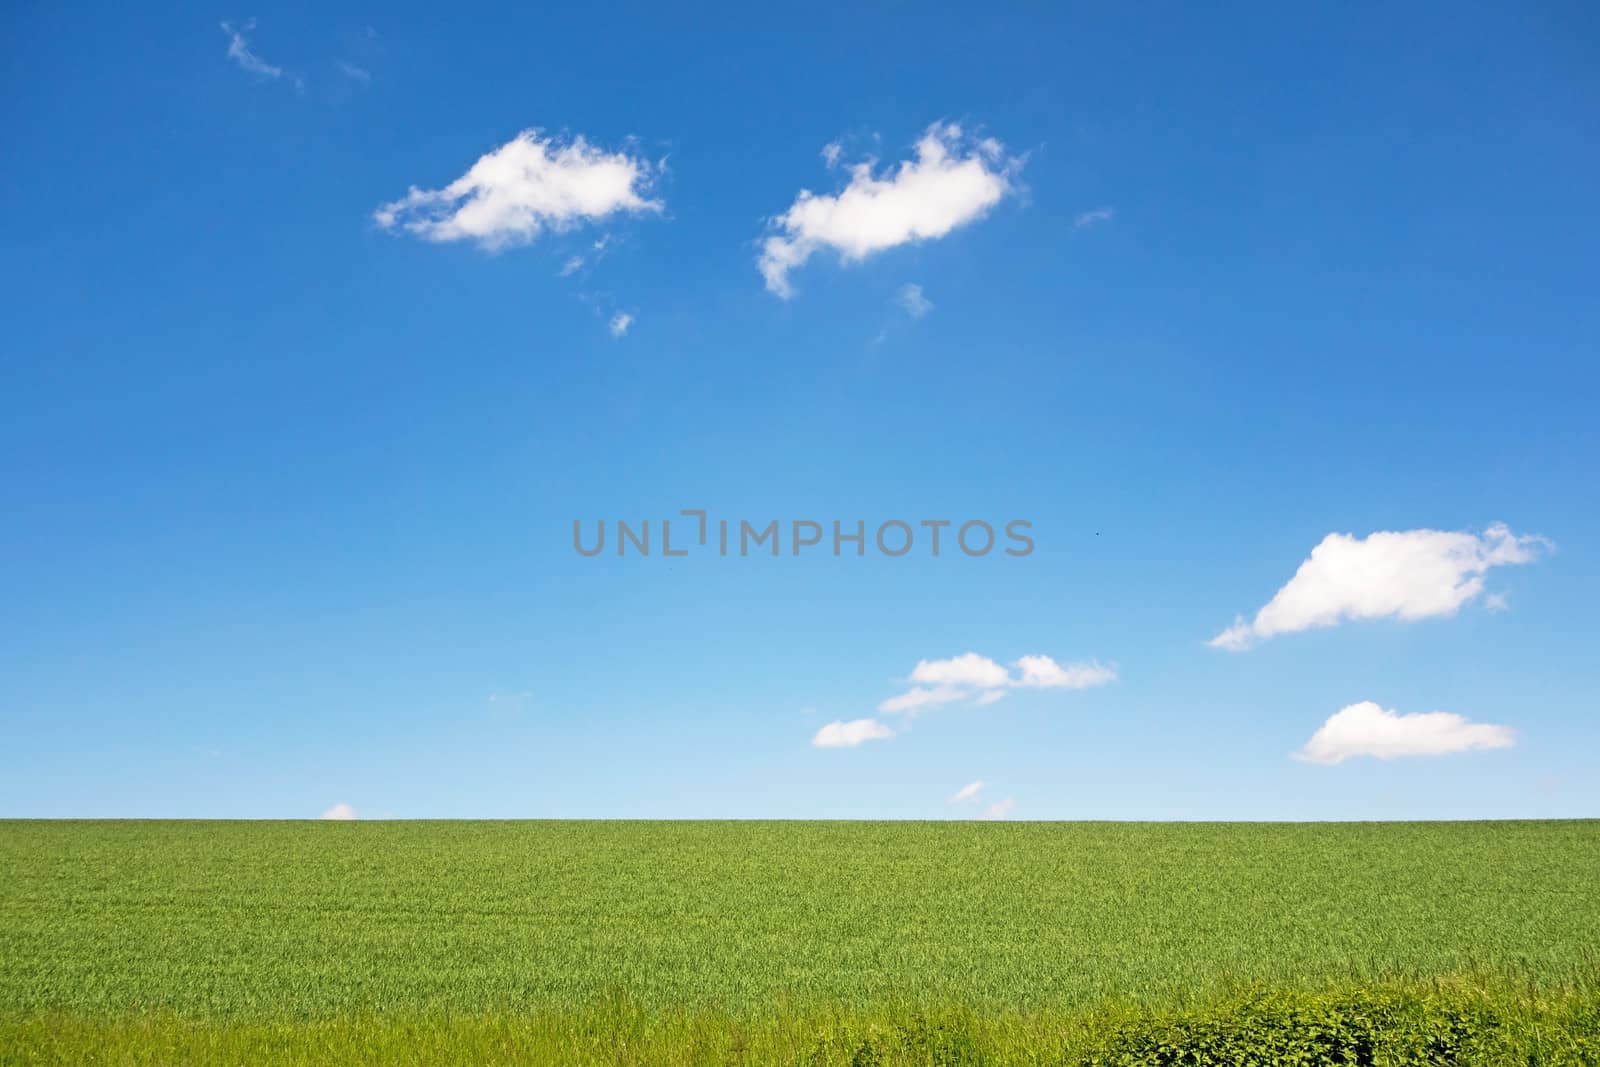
[
  {"x": 999, "y": 810},
  {"x": 528, "y": 185},
  {"x": 967, "y": 792},
  {"x": 362, "y": 54},
  {"x": 980, "y": 680},
  {"x": 1406, "y": 575},
  {"x": 923, "y": 696},
  {"x": 620, "y": 322},
  {"x": 841, "y": 734},
  {"x": 912, "y": 299},
  {"x": 340, "y": 812},
  {"x": 1042, "y": 672},
  {"x": 1366, "y": 729},
  {"x": 244, "y": 57},
  {"x": 1098, "y": 217},
  {"x": 954, "y": 180},
  {"x": 579, "y": 261}
]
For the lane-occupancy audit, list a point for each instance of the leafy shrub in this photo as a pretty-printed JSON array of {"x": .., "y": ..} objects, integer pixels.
[{"x": 1269, "y": 1030}]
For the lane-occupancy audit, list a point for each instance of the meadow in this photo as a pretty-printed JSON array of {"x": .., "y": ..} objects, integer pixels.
[{"x": 799, "y": 942}]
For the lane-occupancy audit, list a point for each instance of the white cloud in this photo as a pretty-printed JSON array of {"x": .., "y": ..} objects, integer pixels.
[
  {"x": 340, "y": 812},
  {"x": 239, "y": 51},
  {"x": 1042, "y": 672},
  {"x": 952, "y": 181},
  {"x": 1365, "y": 729},
  {"x": 1407, "y": 575},
  {"x": 620, "y": 323},
  {"x": 968, "y": 669},
  {"x": 969, "y": 791},
  {"x": 358, "y": 74},
  {"x": 831, "y": 153},
  {"x": 912, "y": 299},
  {"x": 998, "y": 810},
  {"x": 979, "y": 679},
  {"x": 526, "y": 186},
  {"x": 577, "y": 262},
  {"x": 1097, "y": 217},
  {"x": 924, "y": 696},
  {"x": 839, "y": 734}
]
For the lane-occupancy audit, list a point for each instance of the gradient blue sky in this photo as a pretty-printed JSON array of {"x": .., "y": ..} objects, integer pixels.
[{"x": 286, "y": 500}]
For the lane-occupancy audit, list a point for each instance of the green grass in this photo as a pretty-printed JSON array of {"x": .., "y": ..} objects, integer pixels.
[{"x": 764, "y": 941}]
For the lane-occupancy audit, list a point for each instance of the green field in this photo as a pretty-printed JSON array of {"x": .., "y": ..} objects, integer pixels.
[{"x": 757, "y": 942}]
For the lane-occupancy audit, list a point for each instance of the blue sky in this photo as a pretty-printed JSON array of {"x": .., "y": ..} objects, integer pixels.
[{"x": 288, "y": 494}]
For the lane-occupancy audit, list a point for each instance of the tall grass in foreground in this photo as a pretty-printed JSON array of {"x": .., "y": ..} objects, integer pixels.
[{"x": 1436, "y": 1026}]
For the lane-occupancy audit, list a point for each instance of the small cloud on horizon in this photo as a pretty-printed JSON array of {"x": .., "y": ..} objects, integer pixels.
[
  {"x": 999, "y": 810},
  {"x": 1367, "y": 729},
  {"x": 339, "y": 813}
]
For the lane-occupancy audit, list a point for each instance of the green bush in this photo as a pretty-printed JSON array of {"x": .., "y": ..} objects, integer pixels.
[{"x": 1368, "y": 1029}]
